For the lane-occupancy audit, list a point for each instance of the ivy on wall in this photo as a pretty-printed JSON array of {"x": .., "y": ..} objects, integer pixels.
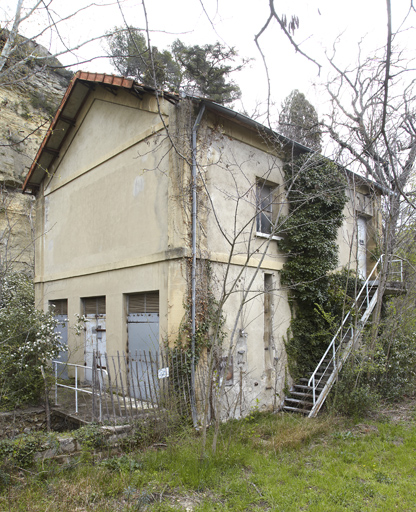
[{"x": 316, "y": 196}]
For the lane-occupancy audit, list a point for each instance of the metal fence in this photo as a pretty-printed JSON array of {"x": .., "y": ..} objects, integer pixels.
[{"x": 128, "y": 387}]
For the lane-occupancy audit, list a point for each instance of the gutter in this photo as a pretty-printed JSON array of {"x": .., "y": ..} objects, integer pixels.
[{"x": 193, "y": 279}]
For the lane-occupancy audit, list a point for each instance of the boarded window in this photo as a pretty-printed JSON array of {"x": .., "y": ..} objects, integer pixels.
[
  {"x": 59, "y": 307},
  {"x": 94, "y": 305},
  {"x": 143, "y": 303}
]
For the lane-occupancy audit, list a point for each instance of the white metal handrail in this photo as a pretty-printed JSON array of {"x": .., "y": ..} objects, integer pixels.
[
  {"x": 351, "y": 333},
  {"x": 76, "y": 388}
]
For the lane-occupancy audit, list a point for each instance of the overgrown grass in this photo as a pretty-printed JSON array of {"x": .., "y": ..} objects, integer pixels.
[{"x": 265, "y": 462}]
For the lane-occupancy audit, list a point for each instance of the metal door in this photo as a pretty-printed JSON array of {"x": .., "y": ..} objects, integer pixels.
[
  {"x": 60, "y": 311},
  {"x": 95, "y": 333},
  {"x": 362, "y": 247},
  {"x": 143, "y": 343},
  {"x": 62, "y": 329}
]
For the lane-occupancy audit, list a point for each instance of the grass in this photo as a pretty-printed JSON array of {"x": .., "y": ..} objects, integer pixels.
[{"x": 266, "y": 462}]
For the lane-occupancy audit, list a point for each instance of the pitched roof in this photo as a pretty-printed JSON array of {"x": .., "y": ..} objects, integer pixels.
[{"x": 77, "y": 93}]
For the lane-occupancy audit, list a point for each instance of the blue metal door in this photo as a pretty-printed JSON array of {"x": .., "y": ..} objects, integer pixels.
[
  {"x": 143, "y": 345},
  {"x": 62, "y": 329}
]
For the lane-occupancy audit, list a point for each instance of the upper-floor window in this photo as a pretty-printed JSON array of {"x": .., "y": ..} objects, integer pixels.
[{"x": 266, "y": 207}]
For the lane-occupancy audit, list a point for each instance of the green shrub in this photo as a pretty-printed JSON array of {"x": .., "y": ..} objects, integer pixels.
[
  {"x": 27, "y": 339},
  {"x": 90, "y": 436},
  {"x": 21, "y": 450}
]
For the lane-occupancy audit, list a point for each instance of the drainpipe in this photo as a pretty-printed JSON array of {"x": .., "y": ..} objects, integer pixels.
[{"x": 193, "y": 305}]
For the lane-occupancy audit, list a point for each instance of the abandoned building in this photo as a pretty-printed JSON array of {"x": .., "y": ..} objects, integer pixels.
[{"x": 114, "y": 238}]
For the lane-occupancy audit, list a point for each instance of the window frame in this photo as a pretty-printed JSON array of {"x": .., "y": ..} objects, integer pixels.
[{"x": 273, "y": 188}]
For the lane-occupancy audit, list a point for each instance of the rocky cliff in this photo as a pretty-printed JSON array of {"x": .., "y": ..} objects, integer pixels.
[{"x": 29, "y": 97}]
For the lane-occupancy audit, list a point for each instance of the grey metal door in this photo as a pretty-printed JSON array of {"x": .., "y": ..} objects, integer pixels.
[
  {"x": 95, "y": 333},
  {"x": 60, "y": 312},
  {"x": 143, "y": 344},
  {"x": 62, "y": 329}
]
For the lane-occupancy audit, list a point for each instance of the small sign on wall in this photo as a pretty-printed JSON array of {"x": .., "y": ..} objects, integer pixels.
[{"x": 163, "y": 373}]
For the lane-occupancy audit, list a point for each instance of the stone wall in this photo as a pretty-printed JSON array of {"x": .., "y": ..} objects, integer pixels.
[{"x": 26, "y": 421}]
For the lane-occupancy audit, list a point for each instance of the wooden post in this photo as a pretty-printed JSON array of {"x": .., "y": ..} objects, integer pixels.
[{"x": 47, "y": 411}]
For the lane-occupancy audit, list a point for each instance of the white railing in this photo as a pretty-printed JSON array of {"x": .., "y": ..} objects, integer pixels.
[
  {"x": 365, "y": 300},
  {"x": 77, "y": 388}
]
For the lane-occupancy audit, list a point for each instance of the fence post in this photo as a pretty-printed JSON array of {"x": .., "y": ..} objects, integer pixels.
[
  {"x": 76, "y": 389},
  {"x": 56, "y": 382},
  {"x": 94, "y": 364}
]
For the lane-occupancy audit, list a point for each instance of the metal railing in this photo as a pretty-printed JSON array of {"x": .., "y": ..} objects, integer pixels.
[
  {"x": 347, "y": 334},
  {"x": 129, "y": 386},
  {"x": 76, "y": 387}
]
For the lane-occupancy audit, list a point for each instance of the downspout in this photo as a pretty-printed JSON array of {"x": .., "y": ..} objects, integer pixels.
[{"x": 193, "y": 279}]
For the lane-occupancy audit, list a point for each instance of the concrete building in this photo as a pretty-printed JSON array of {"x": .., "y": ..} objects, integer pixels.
[{"x": 114, "y": 236}]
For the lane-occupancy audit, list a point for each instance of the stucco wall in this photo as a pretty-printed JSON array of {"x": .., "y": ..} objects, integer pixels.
[
  {"x": 102, "y": 223},
  {"x": 234, "y": 161},
  {"x": 348, "y": 233},
  {"x": 113, "y": 218}
]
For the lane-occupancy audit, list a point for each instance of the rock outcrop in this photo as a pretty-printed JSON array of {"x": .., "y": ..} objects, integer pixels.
[{"x": 29, "y": 97}]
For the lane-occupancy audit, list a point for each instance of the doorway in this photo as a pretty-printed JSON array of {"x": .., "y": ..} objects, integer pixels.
[
  {"x": 60, "y": 312},
  {"x": 95, "y": 332},
  {"x": 362, "y": 247},
  {"x": 143, "y": 343}
]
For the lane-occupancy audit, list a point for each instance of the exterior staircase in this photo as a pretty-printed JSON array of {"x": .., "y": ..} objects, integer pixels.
[{"x": 308, "y": 395}]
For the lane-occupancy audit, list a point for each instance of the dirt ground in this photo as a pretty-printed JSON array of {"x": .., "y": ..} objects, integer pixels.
[{"x": 403, "y": 411}]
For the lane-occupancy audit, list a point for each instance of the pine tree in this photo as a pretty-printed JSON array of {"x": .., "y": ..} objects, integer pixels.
[
  {"x": 299, "y": 121},
  {"x": 131, "y": 57},
  {"x": 198, "y": 70}
]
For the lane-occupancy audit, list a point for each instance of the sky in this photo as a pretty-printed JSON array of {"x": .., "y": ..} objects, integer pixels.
[{"x": 234, "y": 23}]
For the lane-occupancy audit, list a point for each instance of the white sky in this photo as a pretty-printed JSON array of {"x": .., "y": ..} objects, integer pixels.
[{"x": 234, "y": 23}]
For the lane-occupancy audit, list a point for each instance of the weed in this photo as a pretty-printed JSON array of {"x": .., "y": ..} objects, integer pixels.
[
  {"x": 90, "y": 436},
  {"x": 268, "y": 462},
  {"x": 122, "y": 464},
  {"x": 21, "y": 450}
]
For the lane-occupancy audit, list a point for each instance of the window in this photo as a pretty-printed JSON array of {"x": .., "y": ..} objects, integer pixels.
[{"x": 266, "y": 206}]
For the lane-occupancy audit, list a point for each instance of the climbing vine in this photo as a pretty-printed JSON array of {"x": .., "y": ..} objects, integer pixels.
[
  {"x": 316, "y": 197},
  {"x": 209, "y": 323}
]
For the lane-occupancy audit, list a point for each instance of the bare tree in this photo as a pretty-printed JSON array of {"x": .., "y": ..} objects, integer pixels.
[
  {"x": 20, "y": 46},
  {"x": 373, "y": 123}
]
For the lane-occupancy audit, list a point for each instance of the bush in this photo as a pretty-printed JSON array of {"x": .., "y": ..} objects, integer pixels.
[
  {"x": 351, "y": 397},
  {"x": 27, "y": 341},
  {"x": 399, "y": 376},
  {"x": 21, "y": 451}
]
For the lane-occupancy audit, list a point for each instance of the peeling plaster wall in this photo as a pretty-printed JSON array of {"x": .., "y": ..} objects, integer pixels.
[
  {"x": 113, "y": 219},
  {"x": 102, "y": 219},
  {"x": 362, "y": 202},
  {"x": 233, "y": 159},
  {"x": 258, "y": 369}
]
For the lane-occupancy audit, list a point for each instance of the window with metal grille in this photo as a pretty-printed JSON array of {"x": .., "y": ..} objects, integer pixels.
[
  {"x": 147, "y": 302},
  {"x": 94, "y": 305},
  {"x": 59, "y": 307}
]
